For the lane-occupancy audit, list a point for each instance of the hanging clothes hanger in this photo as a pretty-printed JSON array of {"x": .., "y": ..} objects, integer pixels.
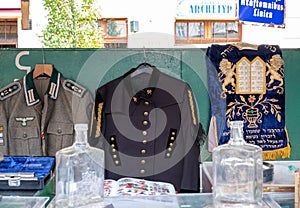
[
  {"x": 42, "y": 69},
  {"x": 143, "y": 67}
]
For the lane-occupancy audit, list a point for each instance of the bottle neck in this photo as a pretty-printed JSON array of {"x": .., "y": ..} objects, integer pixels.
[
  {"x": 236, "y": 135},
  {"x": 81, "y": 138}
]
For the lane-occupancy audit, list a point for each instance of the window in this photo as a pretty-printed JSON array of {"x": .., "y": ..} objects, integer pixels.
[
  {"x": 8, "y": 32},
  {"x": 224, "y": 30},
  {"x": 30, "y": 24},
  {"x": 115, "y": 32},
  {"x": 207, "y": 31},
  {"x": 8, "y": 45}
]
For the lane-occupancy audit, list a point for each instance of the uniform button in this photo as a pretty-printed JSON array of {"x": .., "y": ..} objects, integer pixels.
[
  {"x": 112, "y": 138},
  {"x": 146, "y": 103},
  {"x": 59, "y": 131},
  {"x": 173, "y": 133},
  {"x": 24, "y": 135},
  {"x": 171, "y": 144},
  {"x": 145, "y": 123},
  {"x": 115, "y": 156},
  {"x": 113, "y": 150},
  {"x": 143, "y": 161},
  {"x": 172, "y": 138},
  {"x": 146, "y": 113},
  {"x": 144, "y": 141},
  {"x": 142, "y": 171},
  {"x": 143, "y": 151},
  {"x": 168, "y": 155},
  {"x": 169, "y": 149},
  {"x": 144, "y": 133},
  {"x": 117, "y": 162},
  {"x": 112, "y": 145}
]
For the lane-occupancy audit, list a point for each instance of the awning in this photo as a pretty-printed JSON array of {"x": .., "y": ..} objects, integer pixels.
[{"x": 8, "y": 13}]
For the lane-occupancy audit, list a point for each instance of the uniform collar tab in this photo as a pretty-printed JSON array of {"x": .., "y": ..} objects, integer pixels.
[{"x": 31, "y": 93}]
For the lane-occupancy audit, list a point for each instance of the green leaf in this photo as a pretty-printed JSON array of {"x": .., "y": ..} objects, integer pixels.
[{"x": 72, "y": 24}]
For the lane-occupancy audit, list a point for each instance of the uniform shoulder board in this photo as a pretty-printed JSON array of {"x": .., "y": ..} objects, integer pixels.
[
  {"x": 10, "y": 90},
  {"x": 74, "y": 87}
]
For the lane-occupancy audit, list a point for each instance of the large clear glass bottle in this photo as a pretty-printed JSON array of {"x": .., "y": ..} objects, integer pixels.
[
  {"x": 237, "y": 171},
  {"x": 79, "y": 173}
]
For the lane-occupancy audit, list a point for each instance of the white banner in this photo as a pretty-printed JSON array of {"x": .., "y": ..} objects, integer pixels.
[{"x": 207, "y": 9}]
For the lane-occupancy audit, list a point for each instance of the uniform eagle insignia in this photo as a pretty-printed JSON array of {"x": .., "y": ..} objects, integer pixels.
[{"x": 24, "y": 120}]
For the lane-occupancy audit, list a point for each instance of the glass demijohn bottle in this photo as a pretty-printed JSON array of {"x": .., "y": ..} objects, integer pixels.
[
  {"x": 237, "y": 171},
  {"x": 79, "y": 173}
]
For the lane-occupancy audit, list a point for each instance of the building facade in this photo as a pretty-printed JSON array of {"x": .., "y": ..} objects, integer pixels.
[{"x": 162, "y": 24}]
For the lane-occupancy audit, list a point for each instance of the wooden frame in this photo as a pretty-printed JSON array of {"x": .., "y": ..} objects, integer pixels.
[
  {"x": 207, "y": 32},
  {"x": 113, "y": 40}
]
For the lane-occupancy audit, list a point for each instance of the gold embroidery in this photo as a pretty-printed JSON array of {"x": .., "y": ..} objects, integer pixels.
[
  {"x": 243, "y": 45},
  {"x": 192, "y": 107},
  {"x": 92, "y": 121},
  {"x": 250, "y": 76},
  {"x": 249, "y": 111},
  {"x": 98, "y": 129},
  {"x": 273, "y": 154},
  {"x": 275, "y": 70},
  {"x": 227, "y": 50},
  {"x": 272, "y": 48},
  {"x": 226, "y": 76}
]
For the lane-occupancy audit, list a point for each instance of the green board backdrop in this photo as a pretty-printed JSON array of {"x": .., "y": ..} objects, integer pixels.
[{"x": 94, "y": 67}]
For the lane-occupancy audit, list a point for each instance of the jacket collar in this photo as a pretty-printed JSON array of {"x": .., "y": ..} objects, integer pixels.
[
  {"x": 150, "y": 88},
  {"x": 31, "y": 93}
]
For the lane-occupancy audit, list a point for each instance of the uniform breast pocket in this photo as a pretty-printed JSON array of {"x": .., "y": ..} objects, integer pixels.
[
  {"x": 59, "y": 135},
  {"x": 25, "y": 141}
]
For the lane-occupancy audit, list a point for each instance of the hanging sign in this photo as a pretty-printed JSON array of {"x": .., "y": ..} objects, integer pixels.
[
  {"x": 269, "y": 12},
  {"x": 206, "y": 9}
]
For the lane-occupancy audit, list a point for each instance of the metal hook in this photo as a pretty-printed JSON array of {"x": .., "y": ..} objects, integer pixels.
[
  {"x": 43, "y": 55},
  {"x": 144, "y": 54}
]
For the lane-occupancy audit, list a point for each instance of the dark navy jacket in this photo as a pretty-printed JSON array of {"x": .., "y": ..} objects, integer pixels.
[{"x": 149, "y": 123}]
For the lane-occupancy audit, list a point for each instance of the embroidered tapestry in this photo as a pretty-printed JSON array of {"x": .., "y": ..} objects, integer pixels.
[{"x": 246, "y": 82}]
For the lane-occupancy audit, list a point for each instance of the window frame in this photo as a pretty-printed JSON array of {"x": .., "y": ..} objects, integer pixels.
[
  {"x": 207, "y": 32},
  {"x": 9, "y": 22},
  {"x": 113, "y": 40}
]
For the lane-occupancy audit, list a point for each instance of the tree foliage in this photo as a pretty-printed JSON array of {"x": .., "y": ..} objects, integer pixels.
[{"x": 72, "y": 24}]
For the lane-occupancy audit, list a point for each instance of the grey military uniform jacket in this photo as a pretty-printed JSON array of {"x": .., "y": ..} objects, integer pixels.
[
  {"x": 149, "y": 124},
  {"x": 37, "y": 115}
]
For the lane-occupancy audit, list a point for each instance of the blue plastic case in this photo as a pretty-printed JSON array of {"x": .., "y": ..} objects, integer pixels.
[{"x": 25, "y": 172}]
